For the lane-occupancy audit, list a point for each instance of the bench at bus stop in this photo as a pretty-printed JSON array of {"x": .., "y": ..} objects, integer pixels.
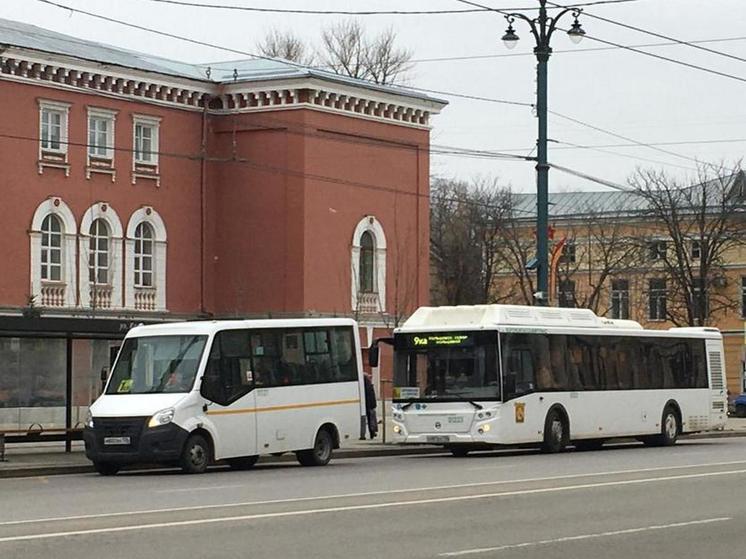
[{"x": 37, "y": 435}]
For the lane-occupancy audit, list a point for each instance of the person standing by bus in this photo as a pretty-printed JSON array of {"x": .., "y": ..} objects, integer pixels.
[{"x": 370, "y": 406}]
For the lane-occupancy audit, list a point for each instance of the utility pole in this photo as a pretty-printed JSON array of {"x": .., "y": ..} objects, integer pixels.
[{"x": 542, "y": 27}]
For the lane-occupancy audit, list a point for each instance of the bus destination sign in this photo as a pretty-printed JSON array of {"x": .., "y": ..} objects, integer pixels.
[{"x": 435, "y": 339}]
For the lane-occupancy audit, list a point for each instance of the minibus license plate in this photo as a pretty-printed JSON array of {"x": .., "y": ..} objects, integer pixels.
[
  {"x": 116, "y": 440},
  {"x": 438, "y": 438}
]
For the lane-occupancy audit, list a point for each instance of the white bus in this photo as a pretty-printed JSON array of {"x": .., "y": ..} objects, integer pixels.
[
  {"x": 472, "y": 377},
  {"x": 192, "y": 393}
]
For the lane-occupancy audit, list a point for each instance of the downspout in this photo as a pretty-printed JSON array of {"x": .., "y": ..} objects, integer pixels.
[{"x": 203, "y": 204}]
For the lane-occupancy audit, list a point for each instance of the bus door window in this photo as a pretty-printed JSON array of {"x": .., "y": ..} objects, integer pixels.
[
  {"x": 265, "y": 353},
  {"x": 292, "y": 360},
  {"x": 518, "y": 366}
]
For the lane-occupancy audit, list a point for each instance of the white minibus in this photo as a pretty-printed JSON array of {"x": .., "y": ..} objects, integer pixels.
[{"x": 192, "y": 393}]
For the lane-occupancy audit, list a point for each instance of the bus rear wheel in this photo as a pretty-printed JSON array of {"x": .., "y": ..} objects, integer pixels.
[
  {"x": 321, "y": 452},
  {"x": 556, "y": 433},
  {"x": 670, "y": 429}
]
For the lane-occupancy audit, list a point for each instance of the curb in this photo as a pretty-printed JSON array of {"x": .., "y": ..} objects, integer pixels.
[{"x": 50, "y": 470}]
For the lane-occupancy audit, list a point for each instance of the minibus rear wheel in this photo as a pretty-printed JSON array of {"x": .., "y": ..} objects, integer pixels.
[{"x": 321, "y": 452}]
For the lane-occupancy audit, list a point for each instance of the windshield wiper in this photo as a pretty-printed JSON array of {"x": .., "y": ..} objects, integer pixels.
[
  {"x": 478, "y": 406},
  {"x": 405, "y": 406}
]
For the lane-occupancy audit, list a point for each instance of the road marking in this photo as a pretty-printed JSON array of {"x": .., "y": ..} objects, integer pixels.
[
  {"x": 349, "y": 508},
  {"x": 582, "y": 537},
  {"x": 192, "y": 489},
  {"x": 361, "y": 494}
]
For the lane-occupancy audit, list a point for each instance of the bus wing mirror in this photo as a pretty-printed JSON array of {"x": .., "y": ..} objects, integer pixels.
[
  {"x": 374, "y": 351},
  {"x": 373, "y": 355}
]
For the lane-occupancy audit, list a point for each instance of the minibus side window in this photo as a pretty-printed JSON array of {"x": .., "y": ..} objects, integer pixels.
[{"x": 229, "y": 374}]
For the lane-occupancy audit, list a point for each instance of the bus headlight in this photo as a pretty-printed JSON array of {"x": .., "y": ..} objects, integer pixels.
[
  {"x": 398, "y": 416},
  {"x": 397, "y": 429},
  {"x": 484, "y": 428},
  {"x": 163, "y": 417},
  {"x": 89, "y": 420}
]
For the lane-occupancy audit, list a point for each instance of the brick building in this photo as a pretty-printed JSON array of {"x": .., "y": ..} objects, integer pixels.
[{"x": 137, "y": 189}]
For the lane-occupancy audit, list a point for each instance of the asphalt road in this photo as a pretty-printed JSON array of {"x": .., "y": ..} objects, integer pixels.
[{"x": 620, "y": 502}]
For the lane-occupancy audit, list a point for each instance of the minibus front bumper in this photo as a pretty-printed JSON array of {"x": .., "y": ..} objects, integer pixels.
[{"x": 125, "y": 440}]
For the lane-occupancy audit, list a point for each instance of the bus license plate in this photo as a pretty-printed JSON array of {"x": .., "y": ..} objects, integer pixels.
[
  {"x": 438, "y": 438},
  {"x": 116, "y": 440}
]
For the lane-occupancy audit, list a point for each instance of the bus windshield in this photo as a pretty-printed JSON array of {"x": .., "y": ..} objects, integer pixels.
[
  {"x": 157, "y": 364},
  {"x": 446, "y": 366}
]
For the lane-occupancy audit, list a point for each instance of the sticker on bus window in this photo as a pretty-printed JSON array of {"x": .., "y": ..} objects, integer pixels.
[
  {"x": 406, "y": 392},
  {"x": 520, "y": 412},
  {"x": 125, "y": 385}
]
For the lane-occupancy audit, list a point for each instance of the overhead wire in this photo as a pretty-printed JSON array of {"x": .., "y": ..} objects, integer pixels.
[
  {"x": 471, "y": 97},
  {"x": 655, "y": 34}
]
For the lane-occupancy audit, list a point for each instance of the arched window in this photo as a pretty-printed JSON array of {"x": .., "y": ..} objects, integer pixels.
[
  {"x": 99, "y": 246},
  {"x": 367, "y": 263},
  {"x": 51, "y": 249},
  {"x": 368, "y": 278},
  {"x": 145, "y": 272},
  {"x": 144, "y": 255}
]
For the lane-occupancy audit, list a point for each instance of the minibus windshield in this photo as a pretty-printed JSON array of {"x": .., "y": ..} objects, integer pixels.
[{"x": 157, "y": 364}]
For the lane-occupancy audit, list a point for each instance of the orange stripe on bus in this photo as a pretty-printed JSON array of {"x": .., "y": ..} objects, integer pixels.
[{"x": 287, "y": 407}]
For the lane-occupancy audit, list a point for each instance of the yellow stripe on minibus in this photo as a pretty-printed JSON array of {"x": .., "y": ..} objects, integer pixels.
[{"x": 286, "y": 407}]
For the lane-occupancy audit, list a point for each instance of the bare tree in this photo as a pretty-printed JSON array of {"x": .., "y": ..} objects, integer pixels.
[
  {"x": 285, "y": 45},
  {"x": 699, "y": 226},
  {"x": 599, "y": 246},
  {"x": 347, "y": 50},
  {"x": 465, "y": 220}
]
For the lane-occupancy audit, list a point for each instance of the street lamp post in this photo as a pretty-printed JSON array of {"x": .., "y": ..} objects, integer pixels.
[{"x": 542, "y": 28}]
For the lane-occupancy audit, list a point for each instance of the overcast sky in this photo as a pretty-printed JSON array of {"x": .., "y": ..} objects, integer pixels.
[{"x": 647, "y": 100}]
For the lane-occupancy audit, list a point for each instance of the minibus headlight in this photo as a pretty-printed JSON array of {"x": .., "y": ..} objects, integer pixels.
[
  {"x": 163, "y": 417},
  {"x": 397, "y": 429},
  {"x": 398, "y": 416},
  {"x": 89, "y": 420}
]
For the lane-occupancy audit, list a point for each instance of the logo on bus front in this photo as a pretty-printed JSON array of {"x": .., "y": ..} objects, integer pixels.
[{"x": 520, "y": 412}]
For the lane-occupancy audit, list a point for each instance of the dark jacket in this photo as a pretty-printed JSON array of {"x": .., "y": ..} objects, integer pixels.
[{"x": 370, "y": 394}]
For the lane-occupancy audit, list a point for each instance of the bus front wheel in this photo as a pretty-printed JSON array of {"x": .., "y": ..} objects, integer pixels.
[
  {"x": 321, "y": 452},
  {"x": 556, "y": 432}
]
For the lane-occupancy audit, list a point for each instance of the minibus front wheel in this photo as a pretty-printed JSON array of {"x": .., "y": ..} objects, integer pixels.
[{"x": 195, "y": 457}]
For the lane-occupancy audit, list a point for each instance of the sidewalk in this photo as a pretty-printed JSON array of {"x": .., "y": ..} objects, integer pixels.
[{"x": 44, "y": 459}]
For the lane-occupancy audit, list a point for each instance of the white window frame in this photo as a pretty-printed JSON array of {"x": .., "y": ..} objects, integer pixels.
[
  {"x": 620, "y": 298},
  {"x": 371, "y": 224},
  {"x": 95, "y": 253},
  {"x": 56, "y": 206},
  {"x": 49, "y": 156},
  {"x": 46, "y": 264},
  {"x": 101, "y": 210},
  {"x": 660, "y": 294},
  {"x": 110, "y": 117},
  {"x": 154, "y": 124},
  {"x": 160, "y": 242},
  {"x": 141, "y": 256}
]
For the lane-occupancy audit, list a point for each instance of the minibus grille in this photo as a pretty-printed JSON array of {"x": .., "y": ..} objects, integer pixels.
[{"x": 131, "y": 427}]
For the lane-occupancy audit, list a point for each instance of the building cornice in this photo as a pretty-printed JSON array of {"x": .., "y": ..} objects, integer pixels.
[{"x": 309, "y": 92}]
